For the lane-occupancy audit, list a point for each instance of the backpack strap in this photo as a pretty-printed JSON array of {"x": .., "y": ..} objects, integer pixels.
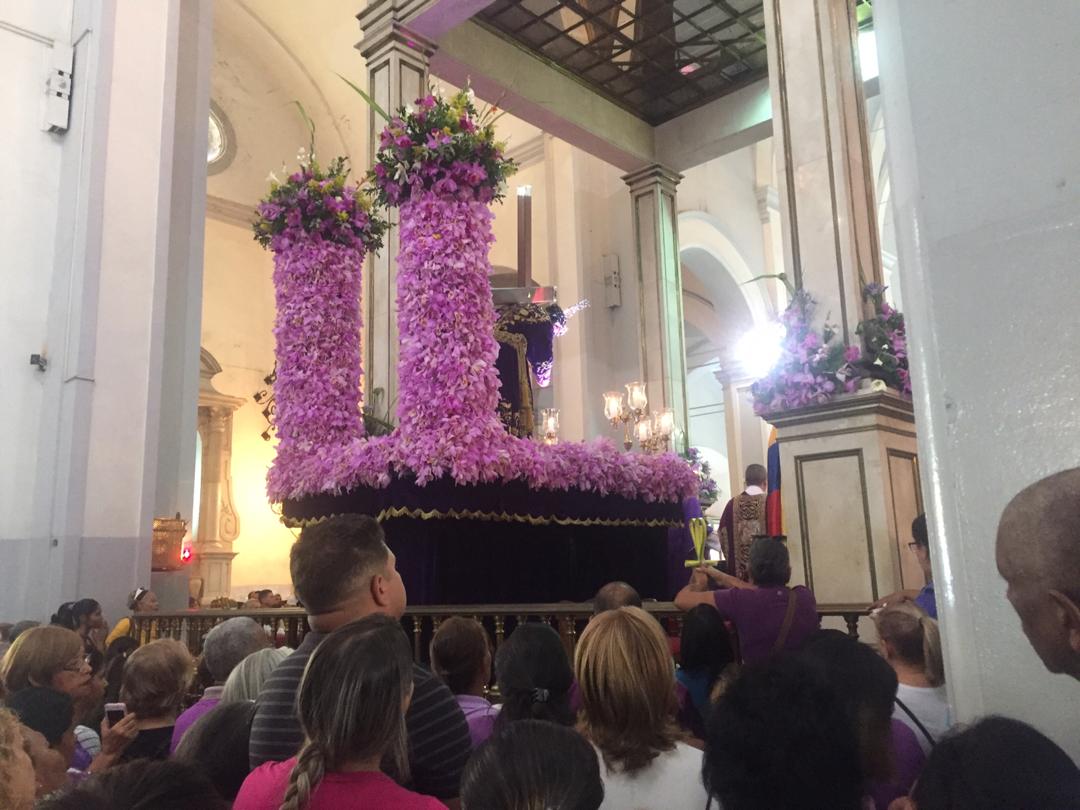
[
  {"x": 785, "y": 628},
  {"x": 915, "y": 720}
]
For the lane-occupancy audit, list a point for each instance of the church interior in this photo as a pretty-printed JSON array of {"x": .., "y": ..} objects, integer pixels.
[{"x": 830, "y": 240}]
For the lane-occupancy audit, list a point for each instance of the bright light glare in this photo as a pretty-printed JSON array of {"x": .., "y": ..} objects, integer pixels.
[
  {"x": 759, "y": 349},
  {"x": 868, "y": 54}
]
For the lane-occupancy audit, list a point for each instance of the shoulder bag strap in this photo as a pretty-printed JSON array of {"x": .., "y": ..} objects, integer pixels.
[
  {"x": 915, "y": 720},
  {"x": 785, "y": 628}
]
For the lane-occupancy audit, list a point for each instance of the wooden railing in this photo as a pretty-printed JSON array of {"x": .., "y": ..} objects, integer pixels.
[{"x": 287, "y": 626}]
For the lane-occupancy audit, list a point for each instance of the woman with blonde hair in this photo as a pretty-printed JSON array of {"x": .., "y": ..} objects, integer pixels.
[
  {"x": 54, "y": 657},
  {"x": 17, "y": 778},
  {"x": 910, "y": 642},
  {"x": 156, "y": 678},
  {"x": 351, "y": 706},
  {"x": 627, "y": 682}
]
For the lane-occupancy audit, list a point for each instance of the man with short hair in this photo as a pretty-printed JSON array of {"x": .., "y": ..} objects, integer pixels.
[
  {"x": 1038, "y": 556},
  {"x": 742, "y": 521},
  {"x": 343, "y": 571},
  {"x": 225, "y": 646},
  {"x": 615, "y": 595},
  {"x": 923, "y": 597}
]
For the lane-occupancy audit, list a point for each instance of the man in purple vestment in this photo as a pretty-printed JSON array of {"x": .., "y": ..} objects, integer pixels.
[{"x": 744, "y": 519}]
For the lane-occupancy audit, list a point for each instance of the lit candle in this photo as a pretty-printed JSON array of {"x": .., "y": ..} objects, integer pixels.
[
  {"x": 613, "y": 405},
  {"x": 644, "y": 431},
  {"x": 550, "y": 420},
  {"x": 635, "y": 396},
  {"x": 665, "y": 422}
]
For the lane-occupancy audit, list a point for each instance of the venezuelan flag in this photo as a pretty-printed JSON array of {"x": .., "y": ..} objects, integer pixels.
[{"x": 774, "y": 510}]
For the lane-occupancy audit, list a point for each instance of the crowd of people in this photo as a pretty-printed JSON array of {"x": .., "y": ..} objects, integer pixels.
[{"x": 750, "y": 706}]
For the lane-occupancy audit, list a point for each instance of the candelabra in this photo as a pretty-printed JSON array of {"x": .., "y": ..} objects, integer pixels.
[
  {"x": 549, "y": 422},
  {"x": 651, "y": 430}
]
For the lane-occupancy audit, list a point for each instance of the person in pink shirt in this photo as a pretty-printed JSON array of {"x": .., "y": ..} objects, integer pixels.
[{"x": 351, "y": 706}]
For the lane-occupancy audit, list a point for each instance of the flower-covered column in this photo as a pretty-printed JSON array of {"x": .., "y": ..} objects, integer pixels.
[
  {"x": 319, "y": 230},
  {"x": 440, "y": 163},
  {"x": 448, "y": 386}
]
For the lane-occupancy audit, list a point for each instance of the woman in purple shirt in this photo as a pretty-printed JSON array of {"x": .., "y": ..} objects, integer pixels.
[
  {"x": 461, "y": 657},
  {"x": 768, "y": 616}
]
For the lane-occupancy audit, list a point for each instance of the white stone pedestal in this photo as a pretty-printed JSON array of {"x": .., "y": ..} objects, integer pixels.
[{"x": 850, "y": 489}]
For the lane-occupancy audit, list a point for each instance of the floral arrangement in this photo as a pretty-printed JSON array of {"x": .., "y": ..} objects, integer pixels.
[
  {"x": 317, "y": 204},
  {"x": 441, "y": 164},
  {"x": 319, "y": 228},
  {"x": 708, "y": 491},
  {"x": 444, "y": 146},
  {"x": 884, "y": 342},
  {"x": 813, "y": 366}
]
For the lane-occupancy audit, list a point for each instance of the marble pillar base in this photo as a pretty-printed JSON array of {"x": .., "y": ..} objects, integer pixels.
[
  {"x": 850, "y": 490},
  {"x": 215, "y": 568}
]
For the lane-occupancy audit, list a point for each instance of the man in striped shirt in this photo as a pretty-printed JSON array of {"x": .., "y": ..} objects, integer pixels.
[{"x": 342, "y": 571}]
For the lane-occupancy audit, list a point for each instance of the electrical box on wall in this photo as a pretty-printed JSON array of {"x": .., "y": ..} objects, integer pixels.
[
  {"x": 612, "y": 281},
  {"x": 58, "y": 88}
]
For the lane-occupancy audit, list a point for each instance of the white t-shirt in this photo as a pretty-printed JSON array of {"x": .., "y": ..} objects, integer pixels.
[
  {"x": 672, "y": 781},
  {"x": 931, "y": 706}
]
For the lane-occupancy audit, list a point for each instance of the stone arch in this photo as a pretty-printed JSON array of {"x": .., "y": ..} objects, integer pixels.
[{"x": 699, "y": 230}]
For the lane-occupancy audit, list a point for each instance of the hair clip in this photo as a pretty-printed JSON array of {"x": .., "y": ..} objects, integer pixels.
[{"x": 540, "y": 695}]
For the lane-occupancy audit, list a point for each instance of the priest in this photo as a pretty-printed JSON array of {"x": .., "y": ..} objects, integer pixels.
[{"x": 744, "y": 519}]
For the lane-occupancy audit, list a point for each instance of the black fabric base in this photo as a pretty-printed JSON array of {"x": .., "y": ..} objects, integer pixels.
[{"x": 504, "y": 543}]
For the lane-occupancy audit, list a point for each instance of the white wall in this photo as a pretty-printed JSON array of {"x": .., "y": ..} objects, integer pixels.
[
  {"x": 107, "y": 292},
  {"x": 986, "y": 189},
  {"x": 29, "y": 186}
]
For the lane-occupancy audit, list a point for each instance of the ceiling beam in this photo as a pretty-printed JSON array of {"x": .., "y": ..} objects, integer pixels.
[
  {"x": 537, "y": 92},
  {"x": 717, "y": 128}
]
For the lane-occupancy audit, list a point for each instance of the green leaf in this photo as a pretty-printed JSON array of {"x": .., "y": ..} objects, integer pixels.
[
  {"x": 366, "y": 97},
  {"x": 310, "y": 125},
  {"x": 781, "y": 276}
]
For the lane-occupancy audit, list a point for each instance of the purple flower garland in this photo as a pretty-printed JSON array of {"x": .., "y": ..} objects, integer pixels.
[
  {"x": 448, "y": 422},
  {"x": 448, "y": 384},
  {"x": 317, "y": 343}
]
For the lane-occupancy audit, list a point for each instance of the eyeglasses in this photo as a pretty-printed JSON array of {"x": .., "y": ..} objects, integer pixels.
[
  {"x": 78, "y": 665},
  {"x": 914, "y": 546}
]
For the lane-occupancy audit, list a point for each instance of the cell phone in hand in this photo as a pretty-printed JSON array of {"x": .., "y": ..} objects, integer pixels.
[{"x": 115, "y": 712}]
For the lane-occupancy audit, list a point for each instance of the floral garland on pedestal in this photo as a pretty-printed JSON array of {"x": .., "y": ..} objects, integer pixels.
[
  {"x": 813, "y": 366},
  {"x": 319, "y": 228},
  {"x": 885, "y": 342},
  {"x": 816, "y": 366}
]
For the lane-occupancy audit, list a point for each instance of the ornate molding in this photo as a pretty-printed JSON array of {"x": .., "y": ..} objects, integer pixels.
[
  {"x": 529, "y": 152},
  {"x": 644, "y": 179},
  {"x": 229, "y": 211},
  {"x": 768, "y": 202}
]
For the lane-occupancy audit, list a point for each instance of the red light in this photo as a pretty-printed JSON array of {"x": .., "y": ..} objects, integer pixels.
[
  {"x": 185, "y": 554},
  {"x": 686, "y": 70}
]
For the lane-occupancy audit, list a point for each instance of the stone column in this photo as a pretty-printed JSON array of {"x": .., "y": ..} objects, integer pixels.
[
  {"x": 986, "y": 195},
  {"x": 747, "y": 434},
  {"x": 218, "y": 525},
  {"x": 659, "y": 283},
  {"x": 397, "y": 66},
  {"x": 819, "y": 133},
  {"x": 849, "y": 468}
]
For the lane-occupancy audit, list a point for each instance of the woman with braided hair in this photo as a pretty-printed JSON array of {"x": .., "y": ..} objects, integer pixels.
[{"x": 351, "y": 707}]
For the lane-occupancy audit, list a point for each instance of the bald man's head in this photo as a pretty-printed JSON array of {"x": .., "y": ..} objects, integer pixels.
[
  {"x": 1038, "y": 555},
  {"x": 615, "y": 595}
]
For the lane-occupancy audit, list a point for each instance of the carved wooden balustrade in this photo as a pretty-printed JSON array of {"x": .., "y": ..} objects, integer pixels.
[{"x": 287, "y": 626}]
